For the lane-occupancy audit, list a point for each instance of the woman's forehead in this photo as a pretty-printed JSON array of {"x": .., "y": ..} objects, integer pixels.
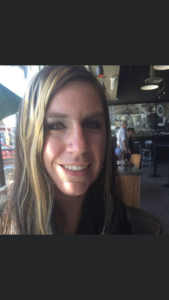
[{"x": 76, "y": 97}]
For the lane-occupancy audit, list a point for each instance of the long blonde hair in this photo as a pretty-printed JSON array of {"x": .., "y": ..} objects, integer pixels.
[{"x": 32, "y": 197}]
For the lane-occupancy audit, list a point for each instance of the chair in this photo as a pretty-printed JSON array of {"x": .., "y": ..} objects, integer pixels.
[
  {"x": 118, "y": 152},
  {"x": 135, "y": 159},
  {"x": 146, "y": 154},
  {"x": 143, "y": 222}
]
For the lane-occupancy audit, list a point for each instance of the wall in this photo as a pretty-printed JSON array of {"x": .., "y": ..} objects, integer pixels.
[{"x": 109, "y": 71}]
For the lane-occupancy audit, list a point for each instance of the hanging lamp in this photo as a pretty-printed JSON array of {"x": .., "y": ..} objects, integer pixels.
[
  {"x": 99, "y": 71},
  {"x": 149, "y": 87},
  {"x": 153, "y": 81},
  {"x": 161, "y": 67}
]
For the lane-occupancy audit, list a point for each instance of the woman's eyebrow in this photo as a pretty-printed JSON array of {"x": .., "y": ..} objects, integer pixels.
[
  {"x": 56, "y": 115},
  {"x": 59, "y": 115},
  {"x": 96, "y": 114}
]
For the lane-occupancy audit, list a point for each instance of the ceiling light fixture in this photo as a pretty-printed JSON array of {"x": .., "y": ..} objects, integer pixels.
[
  {"x": 149, "y": 87},
  {"x": 159, "y": 91},
  {"x": 161, "y": 67},
  {"x": 153, "y": 81}
]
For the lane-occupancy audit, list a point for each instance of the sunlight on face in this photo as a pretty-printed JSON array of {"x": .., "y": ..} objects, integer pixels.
[{"x": 75, "y": 138}]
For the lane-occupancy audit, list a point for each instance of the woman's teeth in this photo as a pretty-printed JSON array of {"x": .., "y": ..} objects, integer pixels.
[{"x": 75, "y": 168}]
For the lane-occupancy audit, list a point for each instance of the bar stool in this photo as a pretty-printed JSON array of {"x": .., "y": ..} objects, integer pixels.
[
  {"x": 146, "y": 154},
  {"x": 139, "y": 146}
]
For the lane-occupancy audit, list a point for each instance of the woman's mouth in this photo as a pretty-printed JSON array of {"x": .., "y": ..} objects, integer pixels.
[{"x": 75, "y": 168}]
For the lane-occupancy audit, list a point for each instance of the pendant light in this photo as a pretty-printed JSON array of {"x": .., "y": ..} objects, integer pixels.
[
  {"x": 152, "y": 82},
  {"x": 99, "y": 71},
  {"x": 161, "y": 67},
  {"x": 149, "y": 87}
]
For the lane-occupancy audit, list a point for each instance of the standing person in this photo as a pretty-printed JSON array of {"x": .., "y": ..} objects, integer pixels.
[
  {"x": 122, "y": 139},
  {"x": 131, "y": 132},
  {"x": 65, "y": 173}
]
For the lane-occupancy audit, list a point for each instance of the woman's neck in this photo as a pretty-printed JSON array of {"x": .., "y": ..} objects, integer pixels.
[{"x": 71, "y": 207}]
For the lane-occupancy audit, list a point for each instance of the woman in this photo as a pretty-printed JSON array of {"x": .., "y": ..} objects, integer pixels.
[{"x": 65, "y": 175}]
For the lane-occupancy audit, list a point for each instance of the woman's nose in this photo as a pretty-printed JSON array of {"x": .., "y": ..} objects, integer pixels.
[{"x": 77, "y": 141}]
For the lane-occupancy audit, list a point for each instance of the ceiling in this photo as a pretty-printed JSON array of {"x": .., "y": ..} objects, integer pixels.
[
  {"x": 130, "y": 79},
  {"x": 109, "y": 72}
]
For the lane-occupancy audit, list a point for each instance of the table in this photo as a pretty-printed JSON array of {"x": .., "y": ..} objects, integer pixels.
[
  {"x": 128, "y": 181},
  {"x": 143, "y": 222}
]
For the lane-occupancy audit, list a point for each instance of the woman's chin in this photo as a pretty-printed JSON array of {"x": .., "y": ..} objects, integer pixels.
[{"x": 74, "y": 189}]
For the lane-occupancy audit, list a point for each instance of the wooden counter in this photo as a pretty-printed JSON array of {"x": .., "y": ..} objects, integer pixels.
[{"x": 128, "y": 179}]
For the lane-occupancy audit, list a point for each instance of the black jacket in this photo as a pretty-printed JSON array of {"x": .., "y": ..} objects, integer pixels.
[{"x": 93, "y": 218}]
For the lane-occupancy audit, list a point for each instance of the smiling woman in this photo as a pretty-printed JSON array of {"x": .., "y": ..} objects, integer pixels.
[{"x": 65, "y": 173}]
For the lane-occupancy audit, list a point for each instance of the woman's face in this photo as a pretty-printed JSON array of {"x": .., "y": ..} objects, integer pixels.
[{"x": 75, "y": 138}]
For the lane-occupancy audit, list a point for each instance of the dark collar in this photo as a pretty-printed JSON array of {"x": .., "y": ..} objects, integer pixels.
[{"x": 92, "y": 217}]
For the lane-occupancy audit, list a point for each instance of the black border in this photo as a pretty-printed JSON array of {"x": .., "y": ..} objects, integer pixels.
[
  {"x": 104, "y": 256},
  {"x": 119, "y": 45}
]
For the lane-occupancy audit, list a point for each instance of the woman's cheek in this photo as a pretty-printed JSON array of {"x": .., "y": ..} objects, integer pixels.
[{"x": 51, "y": 149}]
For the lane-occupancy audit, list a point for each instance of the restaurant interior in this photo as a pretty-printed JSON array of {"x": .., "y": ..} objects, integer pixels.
[{"x": 139, "y": 95}]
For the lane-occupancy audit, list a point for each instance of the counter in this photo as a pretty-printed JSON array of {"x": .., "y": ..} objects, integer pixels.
[
  {"x": 128, "y": 170},
  {"x": 128, "y": 180}
]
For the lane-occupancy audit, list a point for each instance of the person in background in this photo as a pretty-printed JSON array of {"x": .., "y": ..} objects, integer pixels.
[
  {"x": 118, "y": 153},
  {"x": 131, "y": 133},
  {"x": 122, "y": 139}
]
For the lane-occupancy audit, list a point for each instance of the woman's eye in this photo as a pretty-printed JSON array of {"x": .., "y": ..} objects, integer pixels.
[
  {"x": 93, "y": 125},
  {"x": 56, "y": 126}
]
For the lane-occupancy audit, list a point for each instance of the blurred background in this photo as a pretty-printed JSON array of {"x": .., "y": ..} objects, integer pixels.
[{"x": 13, "y": 83}]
